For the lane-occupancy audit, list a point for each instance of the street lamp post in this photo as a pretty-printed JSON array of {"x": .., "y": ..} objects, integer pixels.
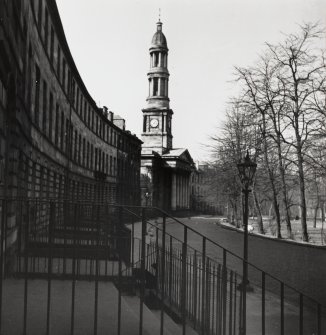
[{"x": 247, "y": 169}]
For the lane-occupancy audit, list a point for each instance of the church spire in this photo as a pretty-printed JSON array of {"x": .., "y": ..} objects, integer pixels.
[{"x": 157, "y": 116}]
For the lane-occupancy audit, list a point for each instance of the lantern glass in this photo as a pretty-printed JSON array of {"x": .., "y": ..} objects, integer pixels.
[{"x": 247, "y": 170}]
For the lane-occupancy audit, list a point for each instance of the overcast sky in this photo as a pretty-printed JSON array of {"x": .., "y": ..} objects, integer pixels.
[{"x": 109, "y": 41}]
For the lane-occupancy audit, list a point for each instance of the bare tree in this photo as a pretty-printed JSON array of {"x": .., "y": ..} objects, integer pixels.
[{"x": 300, "y": 74}]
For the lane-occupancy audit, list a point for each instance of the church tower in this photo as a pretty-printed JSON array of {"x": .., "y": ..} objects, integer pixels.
[{"x": 157, "y": 116}]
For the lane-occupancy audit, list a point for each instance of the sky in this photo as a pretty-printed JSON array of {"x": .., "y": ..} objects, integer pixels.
[{"x": 110, "y": 39}]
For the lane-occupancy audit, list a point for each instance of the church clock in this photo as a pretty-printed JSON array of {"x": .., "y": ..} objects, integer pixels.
[{"x": 154, "y": 123}]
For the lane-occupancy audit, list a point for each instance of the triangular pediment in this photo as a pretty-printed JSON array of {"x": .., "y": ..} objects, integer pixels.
[{"x": 179, "y": 154}]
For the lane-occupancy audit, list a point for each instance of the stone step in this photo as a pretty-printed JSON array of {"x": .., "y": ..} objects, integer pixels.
[
  {"x": 60, "y": 308},
  {"x": 38, "y": 267},
  {"x": 151, "y": 323}
]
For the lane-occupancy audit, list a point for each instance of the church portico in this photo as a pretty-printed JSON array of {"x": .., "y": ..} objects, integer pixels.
[{"x": 165, "y": 171}]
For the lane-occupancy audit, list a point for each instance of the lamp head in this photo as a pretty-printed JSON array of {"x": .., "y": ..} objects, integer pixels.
[{"x": 247, "y": 170}]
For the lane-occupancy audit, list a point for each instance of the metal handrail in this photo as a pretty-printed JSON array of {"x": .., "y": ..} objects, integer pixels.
[{"x": 216, "y": 244}]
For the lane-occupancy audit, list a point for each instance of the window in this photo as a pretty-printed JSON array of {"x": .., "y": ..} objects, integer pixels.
[
  {"x": 44, "y": 106},
  {"x": 75, "y": 146},
  {"x": 95, "y": 168},
  {"x": 87, "y": 155},
  {"x": 79, "y": 149},
  {"x": 37, "y": 94},
  {"x": 99, "y": 156},
  {"x": 162, "y": 86},
  {"x": 81, "y": 104},
  {"x": 91, "y": 163},
  {"x": 59, "y": 61},
  {"x": 46, "y": 30},
  {"x": 84, "y": 152},
  {"x": 155, "y": 59},
  {"x": 155, "y": 87},
  {"x": 50, "y": 116},
  {"x": 64, "y": 74},
  {"x": 62, "y": 131},
  {"x": 52, "y": 45},
  {"x": 144, "y": 123},
  {"x": 77, "y": 101},
  {"x": 68, "y": 136},
  {"x": 56, "y": 131},
  {"x": 25, "y": 58},
  {"x": 29, "y": 80},
  {"x": 39, "y": 14},
  {"x": 110, "y": 171}
]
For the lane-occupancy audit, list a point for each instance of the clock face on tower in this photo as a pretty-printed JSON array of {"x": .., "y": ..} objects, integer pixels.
[{"x": 154, "y": 123}]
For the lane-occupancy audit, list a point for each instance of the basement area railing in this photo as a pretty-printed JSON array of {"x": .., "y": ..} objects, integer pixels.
[{"x": 95, "y": 268}]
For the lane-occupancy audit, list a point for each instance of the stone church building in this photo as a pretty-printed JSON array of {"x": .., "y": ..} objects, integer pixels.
[{"x": 165, "y": 170}]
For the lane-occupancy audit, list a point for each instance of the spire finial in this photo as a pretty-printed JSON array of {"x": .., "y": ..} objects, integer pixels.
[{"x": 159, "y": 15}]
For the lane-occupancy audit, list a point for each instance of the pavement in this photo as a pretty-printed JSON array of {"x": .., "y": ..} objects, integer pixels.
[{"x": 60, "y": 315}]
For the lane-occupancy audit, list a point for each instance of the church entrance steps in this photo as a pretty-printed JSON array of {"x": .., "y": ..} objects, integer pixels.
[{"x": 85, "y": 268}]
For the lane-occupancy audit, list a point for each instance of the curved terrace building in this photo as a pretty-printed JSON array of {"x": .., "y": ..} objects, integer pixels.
[{"x": 55, "y": 142}]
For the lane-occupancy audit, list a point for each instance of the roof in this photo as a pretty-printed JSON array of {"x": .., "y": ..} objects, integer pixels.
[
  {"x": 159, "y": 40},
  {"x": 180, "y": 153},
  {"x": 175, "y": 152}
]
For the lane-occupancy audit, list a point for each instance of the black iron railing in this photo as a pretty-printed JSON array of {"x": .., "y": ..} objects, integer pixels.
[{"x": 61, "y": 258}]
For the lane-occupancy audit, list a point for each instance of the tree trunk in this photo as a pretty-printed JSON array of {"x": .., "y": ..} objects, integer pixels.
[
  {"x": 284, "y": 191},
  {"x": 272, "y": 179},
  {"x": 303, "y": 205},
  {"x": 315, "y": 216},
  {"x": 259, "y": 215}
]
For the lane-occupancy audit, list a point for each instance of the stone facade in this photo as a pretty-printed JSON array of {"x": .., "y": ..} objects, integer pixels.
[
  {"x": 165, "y": 171},
  {"x": 54, "y": 140},
  {"x": 205, "y": 195}
]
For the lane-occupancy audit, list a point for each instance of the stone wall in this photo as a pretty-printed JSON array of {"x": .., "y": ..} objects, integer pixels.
[{"x": 299, "y": 265}]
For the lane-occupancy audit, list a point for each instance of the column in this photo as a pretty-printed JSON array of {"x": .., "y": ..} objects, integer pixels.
[
  {"x": 166, "y": 87},
  {"x": 188, "y": 194},
  {"x": 160, "y": 59},
  {"x": 183, "y": 191},
  {"x": 179, "y": 191},
  {"x": 174, "y": 192}
]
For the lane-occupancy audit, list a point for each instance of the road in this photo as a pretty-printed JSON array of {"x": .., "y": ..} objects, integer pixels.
[{"x": 233, "y": 240}]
